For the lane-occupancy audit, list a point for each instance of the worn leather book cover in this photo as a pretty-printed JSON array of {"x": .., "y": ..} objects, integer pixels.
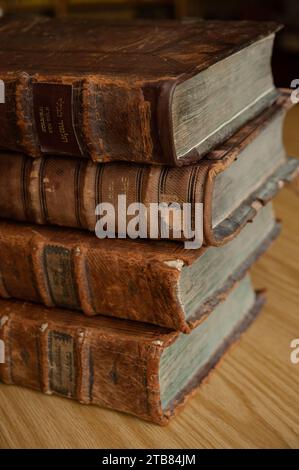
[
  {"x": 155, "y": 282},
  {"x": 126, "y": 366},
  {"x": 116, "y": 92},
  {"x": 66, "y": 191}
]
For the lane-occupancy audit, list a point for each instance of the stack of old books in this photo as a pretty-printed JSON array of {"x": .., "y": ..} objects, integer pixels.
[{"x": 140, "y": 133}]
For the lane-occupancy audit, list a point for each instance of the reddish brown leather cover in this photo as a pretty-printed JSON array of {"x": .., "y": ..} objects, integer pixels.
[
  {"x": 66, "y": 191},
  {"x": 73, "y": 269},
  {"x": 91, "y": 76},
  {"x": 99, "y": 361}
]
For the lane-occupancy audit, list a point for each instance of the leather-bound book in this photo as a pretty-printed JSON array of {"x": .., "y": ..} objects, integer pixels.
[
  {"x": 128, "y": 366},
  {"x": 163, "y": 92},
  {"x": 232, "y": 182},
  {"x": 155, "y": 282}
]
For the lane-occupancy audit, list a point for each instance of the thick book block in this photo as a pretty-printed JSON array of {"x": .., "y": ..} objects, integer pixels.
[
  {"x": 154, "y": 282},
  {"x": 234, "y": 179},
  {"x": 128, "y": 366},
  {"x": 163, "y": 92}
]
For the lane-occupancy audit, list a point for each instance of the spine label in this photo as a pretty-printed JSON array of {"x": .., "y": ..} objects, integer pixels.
[
  {"x": 59, "y": 267},
  {"x": 61, "y": 354},
  {"x": 53, "y": 113}
]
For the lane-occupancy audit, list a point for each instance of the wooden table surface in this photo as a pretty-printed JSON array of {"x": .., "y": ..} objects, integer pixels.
[{"x": 251, "y": 400}]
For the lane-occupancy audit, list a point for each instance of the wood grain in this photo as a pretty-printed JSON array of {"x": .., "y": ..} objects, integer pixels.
[{"x": 251, "y": 400}]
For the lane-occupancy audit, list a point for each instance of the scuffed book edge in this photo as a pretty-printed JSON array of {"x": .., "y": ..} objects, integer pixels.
[
  {"x": 219, "y": 296},
  {"x": 245, "y": 213},
  {"x": 204, "y": 374}
]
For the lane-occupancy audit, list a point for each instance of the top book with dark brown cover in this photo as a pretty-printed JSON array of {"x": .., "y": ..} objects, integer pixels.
[{"x": 163, "y": 93}]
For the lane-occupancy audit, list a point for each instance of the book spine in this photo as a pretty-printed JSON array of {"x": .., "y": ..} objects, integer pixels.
[
  {"x": 49, "y": 354},
  {"x": 99, "y": 118},
  {"x": 16, "y": 116},
  {"x": 66, "y": 191},
  {"x": 73, "y": 271}
]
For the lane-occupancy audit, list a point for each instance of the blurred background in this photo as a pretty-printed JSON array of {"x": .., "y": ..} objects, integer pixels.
[{"x": 286, "y": 52}]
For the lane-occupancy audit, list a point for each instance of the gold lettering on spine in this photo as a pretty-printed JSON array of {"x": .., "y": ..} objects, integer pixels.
[
  {"x": 64, "y": 136},
  {"x": 45, "y": 120}
]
